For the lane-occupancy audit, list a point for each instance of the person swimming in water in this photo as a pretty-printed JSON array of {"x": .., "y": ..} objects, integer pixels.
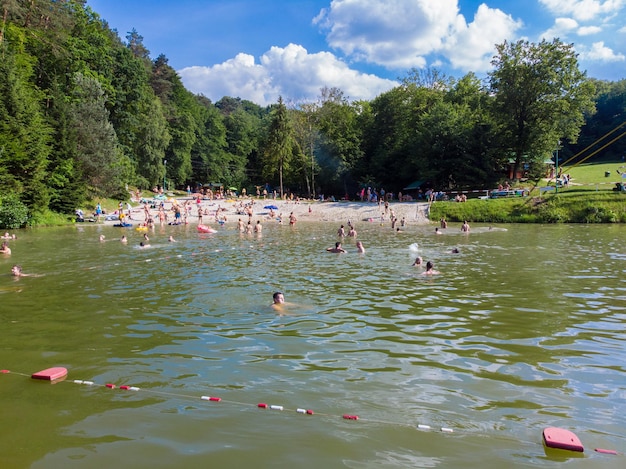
[
  {"x": 337, "y": 248},
  {"x": 5, "y": 249},
  {"x": 360, "y": 248},
  {"x": 279, "y": 304},
  {"x": 430, "y": 269},
  {"x": 278, "y": 300},
  {"x": 17, "y": 272}
]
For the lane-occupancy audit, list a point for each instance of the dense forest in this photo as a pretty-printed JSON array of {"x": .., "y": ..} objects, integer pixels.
[{"x": 87, "y": 114}]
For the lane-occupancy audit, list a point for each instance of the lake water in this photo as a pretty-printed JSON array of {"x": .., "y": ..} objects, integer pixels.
[{"x": 525, "y": 328}]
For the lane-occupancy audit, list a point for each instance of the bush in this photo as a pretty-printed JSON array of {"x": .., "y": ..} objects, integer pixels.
[
  {"x": 13, "y": 213},
  {"x": 553, "y": 214},
  {"x": 600, "y": 215}
]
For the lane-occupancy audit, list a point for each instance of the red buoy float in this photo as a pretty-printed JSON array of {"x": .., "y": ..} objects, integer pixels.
[
  {"x": 206, "y": 229},
  {"x": 562, "y": 439},
  {"x": 51, "y": 374}
]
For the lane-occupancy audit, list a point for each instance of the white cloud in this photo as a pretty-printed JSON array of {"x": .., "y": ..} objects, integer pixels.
[
  {"x": 584, "y": 10},
  {"x": 471, "y": 47},
  {"x": 401, "y": 34},
  {"x": 589, "y": 30},
  {"x": 240, "y": 77},
  {"x": 290, "y": 72},
  {"x": 561, "y": 28},
  {"x": 599, "y": 52},
  {"x": 394, "y": 33}
]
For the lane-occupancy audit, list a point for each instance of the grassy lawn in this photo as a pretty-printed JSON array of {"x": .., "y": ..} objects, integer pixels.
[
  {"x": 590, "y": 175},
  {"x": 589, "y": 198}
]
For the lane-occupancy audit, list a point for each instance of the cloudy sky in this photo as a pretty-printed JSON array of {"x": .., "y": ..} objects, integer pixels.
[{"x": 262, "y": 49}]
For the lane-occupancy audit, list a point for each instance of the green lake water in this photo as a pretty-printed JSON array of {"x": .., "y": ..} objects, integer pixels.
[{"x": 524, "y": 328}]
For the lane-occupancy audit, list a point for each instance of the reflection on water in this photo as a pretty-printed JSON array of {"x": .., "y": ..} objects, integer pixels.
[{"x": 523, "y": 329}]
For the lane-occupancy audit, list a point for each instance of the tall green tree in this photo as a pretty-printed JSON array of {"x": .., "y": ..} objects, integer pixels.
[
  {"x": 307, "y": 135},
  {"x": 100, "y": 160},
  {"x": 279, "y": 145},
  {"x": 24, "y": 133},
  {"x": 151, "y": 141},
  {"x": 209, "y": 156},
  {"x": 392, "y": 139},
  {"x": 541, "y": 96},
  {"x": 456, "y": 135},
  {"x": 606, "y": 127},
  {"x": 244, "y": 123},
  {"x": 340, "y": 146},
  {"x": 179, "y": 107}
]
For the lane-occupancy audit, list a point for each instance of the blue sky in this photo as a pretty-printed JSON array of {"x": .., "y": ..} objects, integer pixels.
[{"x": 262, "y": 49}]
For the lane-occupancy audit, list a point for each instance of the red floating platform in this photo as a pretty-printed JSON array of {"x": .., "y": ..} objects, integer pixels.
[
  {"x": 51, "y": 374},
  {"x": 562, "y": 439}
]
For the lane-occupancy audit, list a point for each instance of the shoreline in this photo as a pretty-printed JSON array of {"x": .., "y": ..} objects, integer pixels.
[{"x": 304, "y": 211}]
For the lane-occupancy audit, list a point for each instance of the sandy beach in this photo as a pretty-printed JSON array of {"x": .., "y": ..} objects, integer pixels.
[{"x": 305, "y": 211}]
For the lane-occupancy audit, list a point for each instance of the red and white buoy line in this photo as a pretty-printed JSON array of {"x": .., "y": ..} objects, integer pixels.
[
  {"x": 567, "y": 445},
  {"x": 216, "y": 399}
]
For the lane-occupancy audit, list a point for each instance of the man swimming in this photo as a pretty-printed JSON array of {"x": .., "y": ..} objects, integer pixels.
[{"x": 337, "y": 248}]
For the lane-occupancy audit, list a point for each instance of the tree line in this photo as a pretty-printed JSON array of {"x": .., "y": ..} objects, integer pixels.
[{"x": 85, "y": 114}]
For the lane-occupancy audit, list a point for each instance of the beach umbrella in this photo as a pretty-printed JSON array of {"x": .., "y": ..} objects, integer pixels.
[{"x": 270, "y": 207}]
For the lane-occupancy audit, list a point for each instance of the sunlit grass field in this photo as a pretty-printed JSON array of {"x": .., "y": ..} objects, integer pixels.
[
  {"x": 589, "y": 198},
  {"x": 590, "y": 175}
]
